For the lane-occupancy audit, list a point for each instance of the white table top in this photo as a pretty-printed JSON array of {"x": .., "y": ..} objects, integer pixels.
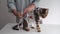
[{"x": 46, "y": 29}]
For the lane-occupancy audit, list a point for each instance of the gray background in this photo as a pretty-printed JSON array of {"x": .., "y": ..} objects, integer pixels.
[
  {"x": 5, "y": 16},
  {"x": 52, "y": 18}
]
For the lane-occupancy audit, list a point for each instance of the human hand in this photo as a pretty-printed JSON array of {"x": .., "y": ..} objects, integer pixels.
[
  {"x": 14, "y": 11},
  {"x": 29, "y": 8},
  {"x": 25, "y": 11},
  {"x": 19, "y": 15}
]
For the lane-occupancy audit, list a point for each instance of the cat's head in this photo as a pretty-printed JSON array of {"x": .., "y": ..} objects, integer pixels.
[{"x": 43, "y": 12}]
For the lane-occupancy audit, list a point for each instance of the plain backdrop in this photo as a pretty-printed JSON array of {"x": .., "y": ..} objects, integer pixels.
[{"x": 52, "y": 18}]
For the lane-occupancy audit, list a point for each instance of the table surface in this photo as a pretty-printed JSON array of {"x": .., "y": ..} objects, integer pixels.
[{"x": 45, "y": 29}]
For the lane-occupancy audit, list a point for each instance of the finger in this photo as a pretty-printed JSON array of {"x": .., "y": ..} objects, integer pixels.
[
  {"x": 19, "y": 15},
  {"x": 25, "y": 11}
]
